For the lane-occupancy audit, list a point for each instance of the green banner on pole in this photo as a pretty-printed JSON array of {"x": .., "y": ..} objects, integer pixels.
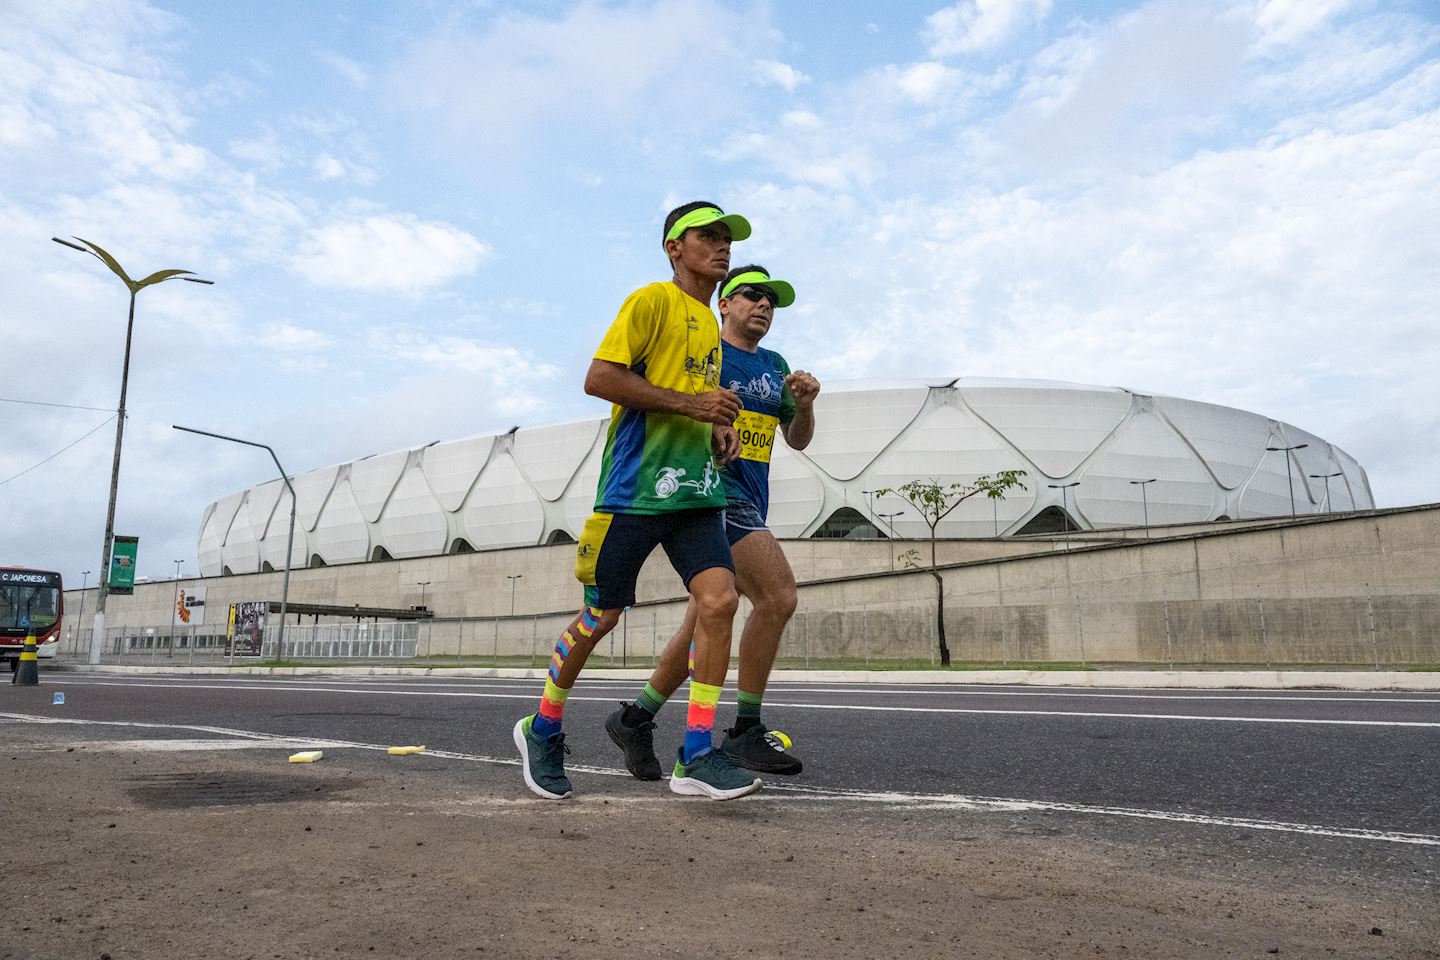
[{"x": 122, "y": 564}]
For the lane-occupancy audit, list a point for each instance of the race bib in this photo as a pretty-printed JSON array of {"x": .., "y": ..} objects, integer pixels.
[{"x": 757, "y": 435}]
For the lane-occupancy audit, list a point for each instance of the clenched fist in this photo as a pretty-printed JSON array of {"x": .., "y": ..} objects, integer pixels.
[
  {"x": 803, "y": 387},
  {"x": 717, "y": 406}
]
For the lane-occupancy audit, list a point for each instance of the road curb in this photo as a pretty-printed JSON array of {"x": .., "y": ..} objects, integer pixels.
[{"x": 1150, "y": 679}]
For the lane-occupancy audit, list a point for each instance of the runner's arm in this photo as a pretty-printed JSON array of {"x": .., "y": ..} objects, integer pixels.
[
  {"x": 800, "y": 429},
  {"x": 623, "y": 386}
]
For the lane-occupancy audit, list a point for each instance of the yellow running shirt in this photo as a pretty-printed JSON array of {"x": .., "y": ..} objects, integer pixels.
[{"x": 656, "y": 462}]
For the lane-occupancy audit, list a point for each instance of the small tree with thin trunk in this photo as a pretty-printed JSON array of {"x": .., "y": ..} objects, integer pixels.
[{"x": 934, "y": 501}]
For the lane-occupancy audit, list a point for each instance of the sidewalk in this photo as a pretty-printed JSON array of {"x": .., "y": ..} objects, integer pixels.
[{"x": 1158, "y": 679}]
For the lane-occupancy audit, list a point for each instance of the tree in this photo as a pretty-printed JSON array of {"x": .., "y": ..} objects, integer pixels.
[{"x": 934, "y": 501}]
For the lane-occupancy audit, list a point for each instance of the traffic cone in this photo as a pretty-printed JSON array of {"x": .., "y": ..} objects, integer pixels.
[{"x": 29, "y": 673}]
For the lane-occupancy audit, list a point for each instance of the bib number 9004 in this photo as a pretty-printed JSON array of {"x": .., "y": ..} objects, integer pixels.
[{"x": 757, "y": 435}]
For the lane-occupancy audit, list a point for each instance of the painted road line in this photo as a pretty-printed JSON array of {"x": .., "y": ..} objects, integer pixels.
[
  {"x": 1008, "y": 804},
  {"x": 922, "y": 690},
  {"x": 914, "y": 801},
  {"x": 863, "y": 708},
  {"x": 172, "y": 746}
]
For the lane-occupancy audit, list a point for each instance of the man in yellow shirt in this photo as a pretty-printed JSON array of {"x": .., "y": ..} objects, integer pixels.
[{"x": 659, "y": 364}]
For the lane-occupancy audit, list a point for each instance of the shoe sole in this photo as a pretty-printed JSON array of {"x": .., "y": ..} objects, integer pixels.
[
  {"x": 523, "y": 745},
  {"x": 691, "y": 787},
  {"x": 791, "y": 768},
  {"x": 621, "y": 744}
]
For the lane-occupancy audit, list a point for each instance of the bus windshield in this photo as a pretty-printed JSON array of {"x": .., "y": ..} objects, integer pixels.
[{"x": 28, "y": 606}]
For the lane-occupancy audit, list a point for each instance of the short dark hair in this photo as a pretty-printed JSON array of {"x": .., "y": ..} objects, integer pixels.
[
  {"x": 748, "y": 268},
  {"x": 679, "y": 212}
]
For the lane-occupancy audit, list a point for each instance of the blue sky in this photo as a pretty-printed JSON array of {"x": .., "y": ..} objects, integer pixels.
[{"x": 420, "y": 217}]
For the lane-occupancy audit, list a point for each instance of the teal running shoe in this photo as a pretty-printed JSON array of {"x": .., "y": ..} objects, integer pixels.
[
  {"x": 542, "y": 761},
  {"x": 712, "y": 775}
]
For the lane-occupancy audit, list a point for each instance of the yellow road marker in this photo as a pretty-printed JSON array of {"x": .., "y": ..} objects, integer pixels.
[
  {"x": 306, "y": 756},
  {"x": 405, "y": 751}
]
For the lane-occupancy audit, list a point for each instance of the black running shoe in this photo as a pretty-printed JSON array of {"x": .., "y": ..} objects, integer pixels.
[
  {"x": 637, "y": 740},
  {"x": 754, "y": 749}
]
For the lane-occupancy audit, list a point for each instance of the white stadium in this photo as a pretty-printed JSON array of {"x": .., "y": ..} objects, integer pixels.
[{"x": 1083, "y": 447}]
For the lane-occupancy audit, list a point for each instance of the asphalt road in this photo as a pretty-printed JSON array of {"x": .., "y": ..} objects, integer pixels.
[{"x": 1316, "y": 767}]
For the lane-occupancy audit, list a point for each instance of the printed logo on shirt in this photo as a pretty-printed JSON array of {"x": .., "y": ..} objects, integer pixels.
[
  {"x": 668, "y": 481},
  {"x": 707, "y": 368},
  {"x": 763, "y": 387}
]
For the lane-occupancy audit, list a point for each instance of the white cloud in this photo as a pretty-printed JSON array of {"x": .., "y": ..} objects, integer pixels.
[
  {"x": 1285, "y": 21},
  {"x": 288, "y": 337},
  {"x": 328, "y": 168},
  {"x": 578, "y": 77},
  {"x": 495, "y": 360},
  {"x": 396, "y": 253},
  {"x": 1130, "y": 95},
  {"x": 344, "y": 67},
  {"x": 801, "y": 120},
  {"x": 1295, "y": 278},
  {"x": 775, "y": 73},
  {"x": 926, "y": 82},
  {"x": 973, "y": 26}
]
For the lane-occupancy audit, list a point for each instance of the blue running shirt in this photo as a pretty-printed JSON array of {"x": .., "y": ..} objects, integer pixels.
[{"x": 759, "y": 379}]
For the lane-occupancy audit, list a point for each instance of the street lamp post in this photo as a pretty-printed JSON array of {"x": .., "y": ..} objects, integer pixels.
[
  {"x": 289, "y": 541},
  {"x": 1288, "y": 481},
  {"x": 422, "y": 584},
  {"x": 512, "y": 577},
  {"x": 1329, "y": 507},
  {"x": 175, "y": 605},
  {"x": 1145, "y": 501},
  {"x": 1064, "y": 489},
  {"x": 134, "y": 286},
  {"x": 80, "y": 617},
  {"x": 889, "y": 519}
]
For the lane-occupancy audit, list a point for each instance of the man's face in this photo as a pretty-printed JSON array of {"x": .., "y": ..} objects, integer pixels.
[
  {"x": 703, "y": 251},
  {"x": 749, "y": 311}
]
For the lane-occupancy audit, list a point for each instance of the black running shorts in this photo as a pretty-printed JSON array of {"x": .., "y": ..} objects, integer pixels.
[{"x": 613, "y": 547}]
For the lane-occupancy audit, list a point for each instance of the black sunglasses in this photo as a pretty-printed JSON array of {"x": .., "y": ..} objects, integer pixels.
[{"x": 756, "y": 294}]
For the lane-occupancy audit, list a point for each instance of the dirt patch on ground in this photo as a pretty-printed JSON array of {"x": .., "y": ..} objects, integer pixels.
[{"x": 363, "y": 855}]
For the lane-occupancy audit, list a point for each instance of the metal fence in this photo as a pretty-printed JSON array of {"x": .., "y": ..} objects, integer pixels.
[{"x": 344, "y": 641}]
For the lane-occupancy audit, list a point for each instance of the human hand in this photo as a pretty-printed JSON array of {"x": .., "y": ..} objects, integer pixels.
[
  {"x": 719, "y": 407},
  {"x": 725, "y": 443},
  {"x": 803, "y": 387}
]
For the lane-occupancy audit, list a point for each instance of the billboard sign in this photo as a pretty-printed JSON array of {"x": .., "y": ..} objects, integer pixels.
[
  {"x": 122, "y": 564},
  {"x": 246, "y": 629},
  {"x": 189, "y": 607}
]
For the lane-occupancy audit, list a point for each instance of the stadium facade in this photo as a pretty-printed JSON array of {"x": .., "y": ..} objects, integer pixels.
[{"x": 1083, "y": 447}]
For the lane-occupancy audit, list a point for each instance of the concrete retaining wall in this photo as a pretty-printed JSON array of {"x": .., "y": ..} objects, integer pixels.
[{"x": 1359, "y": 589}]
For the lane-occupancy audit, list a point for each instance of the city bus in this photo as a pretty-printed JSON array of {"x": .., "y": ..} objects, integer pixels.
[{"x": 31, "y": 601}]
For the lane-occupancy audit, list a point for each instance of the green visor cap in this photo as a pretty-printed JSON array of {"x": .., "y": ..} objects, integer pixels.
[
  {"x": 704, "y": 216},
  {"x": 755, "y": 278}
]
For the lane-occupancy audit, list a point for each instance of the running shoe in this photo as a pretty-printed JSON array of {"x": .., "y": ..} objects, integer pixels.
[
  {"x": 756, "y": 750},
  {"x": 637, "y": 740},
  {"x": 711, "y": 775},
  {"x": 542, "y": 761}
]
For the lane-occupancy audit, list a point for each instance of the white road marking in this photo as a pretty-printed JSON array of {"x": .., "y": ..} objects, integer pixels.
[
  {"x": 174, "y": 746},
  {"x": 913, "y": 801},
  {"x": 960, "y": 690},
  {"x": 867, "y": 708}
]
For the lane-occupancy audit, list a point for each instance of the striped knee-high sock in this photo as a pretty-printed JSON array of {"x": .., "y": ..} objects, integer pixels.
[
  {"x": 552, "y": 702},
  {"x": 704, "y": 698},
  {"x": 552, "y": 709}
]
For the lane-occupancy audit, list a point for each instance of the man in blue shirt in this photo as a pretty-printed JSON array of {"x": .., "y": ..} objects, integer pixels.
[{"x": 772, "y": 398}]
